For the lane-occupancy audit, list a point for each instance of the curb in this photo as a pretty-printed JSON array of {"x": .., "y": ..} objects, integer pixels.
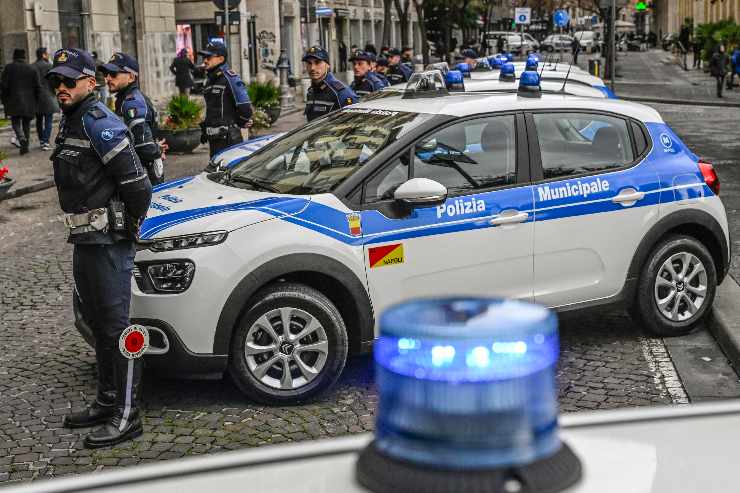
[
  {"x": 36, "y": 187},
  {"x": 724, "y": 320}
]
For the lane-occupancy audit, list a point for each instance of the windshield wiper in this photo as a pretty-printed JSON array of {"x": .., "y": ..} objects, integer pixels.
[{"x": 254, "y": 183}]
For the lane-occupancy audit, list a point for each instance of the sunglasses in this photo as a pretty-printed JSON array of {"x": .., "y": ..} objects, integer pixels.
[{"x": 58, "y": 80}]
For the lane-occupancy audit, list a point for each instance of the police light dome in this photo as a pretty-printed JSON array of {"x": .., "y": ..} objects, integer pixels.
[
  {"x": 441, "y": 66},
  {"x": 454, "y": 81},
  {"x": 531, "y": 63},
  {"x": 429, "y": 83},
  {"x": 529, "y": 84},
  {"x": 464, "y": 68},
  {"x": 509, "y": 56},
  {"x": 482, "y": 65},
  {"x": 508, "y": 73},
  {"x": 534, "y": 55},
  {"x": 466, "y": 384},
  {"x": 495, "y": 62}
]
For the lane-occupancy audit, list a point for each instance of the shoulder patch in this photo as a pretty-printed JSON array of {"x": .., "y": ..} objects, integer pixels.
[
  {"x": 97, "y": 113},
  {"x": 337, "y": 84},
  {"x": 231, "y": 73}
]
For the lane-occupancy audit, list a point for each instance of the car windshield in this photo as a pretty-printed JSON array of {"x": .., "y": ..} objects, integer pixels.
[{"x": 324, "y": 153}]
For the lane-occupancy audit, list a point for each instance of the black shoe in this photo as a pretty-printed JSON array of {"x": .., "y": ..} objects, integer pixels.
[
  {"x": 113, "y": 433},
  {"x": 94, "y": 414}
]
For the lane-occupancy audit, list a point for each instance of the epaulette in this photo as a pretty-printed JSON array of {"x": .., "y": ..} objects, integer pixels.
[
  {"x": 336, "y": 84},
  {"x": 231, "y": 73},
  {"x": 97, "y": 113}
]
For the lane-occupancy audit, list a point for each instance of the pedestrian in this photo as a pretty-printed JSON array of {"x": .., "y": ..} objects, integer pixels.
[
  {"x": 575, "y": 47},
  {"x": 696, "y": 46},
  {"x": 370, "y": 48},
  {"x": 734, "y": 67},
  {"x": 137, "y": 112},
  {"x": 407, "y": 57},
  {"x": 101, "y": 87},
  {"x": 20, "y": 87},
  {"x": 105, "y": 193},
  {"x": 500, "y": 44},
  {"x": 343, "y": 56},
  {"x": 326, "y": 93},
  {"x": 718, "y": 67},
  {"x": 397, "y": 72},
  {"x": 366, "y": 81},
  {"x": 228, "y": 108},
  {"x": 47, "y": 102},
  {"x": 182, "y": 68}
]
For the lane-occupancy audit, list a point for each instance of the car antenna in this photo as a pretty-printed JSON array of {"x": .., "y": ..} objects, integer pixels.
[
  {"x": 565, "y": 81},
  {"x": 542, "y": 71}
]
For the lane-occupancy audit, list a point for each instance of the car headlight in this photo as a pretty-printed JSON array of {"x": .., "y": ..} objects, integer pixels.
[
  {"x": 188, "y": 241},
  {"x": 173, "y": 276}
]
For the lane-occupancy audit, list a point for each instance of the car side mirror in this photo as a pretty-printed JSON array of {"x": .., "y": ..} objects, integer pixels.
[{"x": 421, "y": 192}]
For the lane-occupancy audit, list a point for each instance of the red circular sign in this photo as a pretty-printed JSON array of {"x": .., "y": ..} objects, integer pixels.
[{"x": 134, "y": 342}]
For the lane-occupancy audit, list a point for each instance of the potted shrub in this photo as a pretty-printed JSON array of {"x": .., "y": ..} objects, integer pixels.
[
  {"x": 5, "y": 181},
  {"x": 260, "y": 121},
  {"x": 266, "y": 97},
  {"x": 181, "y": 129}
]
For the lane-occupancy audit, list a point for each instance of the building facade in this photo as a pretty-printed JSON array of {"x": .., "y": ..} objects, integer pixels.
[{"x": 144, "y": 28}]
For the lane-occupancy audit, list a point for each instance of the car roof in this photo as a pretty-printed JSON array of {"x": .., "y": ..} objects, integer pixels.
[
  {"x": 471, "y": 103},
  {"x": 576, "y": 89}
]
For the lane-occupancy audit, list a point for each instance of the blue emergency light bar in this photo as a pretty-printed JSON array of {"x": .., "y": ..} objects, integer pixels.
[
  {"x": 529, "y": 84},
  {"x": 531, "y": 63},
  {"x": 454, "y": 81},
  {"x": 495, "y": 62},
  {"x": 464, "y": 68},
  {"x": 508, "y": 73}
]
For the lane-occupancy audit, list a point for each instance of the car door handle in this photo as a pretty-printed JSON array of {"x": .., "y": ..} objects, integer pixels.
[
  {"x": 628, "y": 195},
  {"x": 509, "y": 216}
]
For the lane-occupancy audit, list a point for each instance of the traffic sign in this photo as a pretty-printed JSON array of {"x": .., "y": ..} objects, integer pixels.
[
  {"x": 220, "y": 18},
  {"x": 560, "y": 17},
  {"x": 640, "y": 6},
  {"x": 522, "y": 15}
]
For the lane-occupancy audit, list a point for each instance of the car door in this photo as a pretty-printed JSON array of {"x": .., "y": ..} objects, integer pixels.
[
  {"x": 478, "y": 242},
  {"x": 593, "y": 204}
]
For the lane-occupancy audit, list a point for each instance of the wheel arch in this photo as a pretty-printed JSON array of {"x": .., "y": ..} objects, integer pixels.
[
  {"x": 695, "y": 223},
  {"x": 330, "y": 277}
]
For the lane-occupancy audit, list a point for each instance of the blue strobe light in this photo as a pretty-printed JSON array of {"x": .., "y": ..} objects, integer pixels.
[
  {"x": 467, "y": 383},
  {"x": 454, "y": 81},
  {"x": 529, "y": 84},
  {"x": 531, "y": 63},
  {"x": 508, "y": 73},
  {"x": 464, "y": 68}
]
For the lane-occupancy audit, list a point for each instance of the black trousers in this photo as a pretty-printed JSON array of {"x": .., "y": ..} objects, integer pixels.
[
  {"x": 218, "y": 144},
  {"x": 22, "y": 129},
  {"x": 102, "y": 275},
  {"x": 720, "y": 84}
]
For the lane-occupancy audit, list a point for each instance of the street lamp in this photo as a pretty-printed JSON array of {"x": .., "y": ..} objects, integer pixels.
[{"x": 286, "y": 96}]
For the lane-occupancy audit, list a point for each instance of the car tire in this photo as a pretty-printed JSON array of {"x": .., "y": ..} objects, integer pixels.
[
  {"x": 676, "y": 287},
  {"x": 258, "y": 362}
]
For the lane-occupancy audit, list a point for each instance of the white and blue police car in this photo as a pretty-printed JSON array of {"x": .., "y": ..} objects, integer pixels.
[{"x": 274, "y": 267}]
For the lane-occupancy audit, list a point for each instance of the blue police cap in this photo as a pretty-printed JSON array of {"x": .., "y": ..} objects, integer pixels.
[
  {"x": 382, "y": 61},
  {"x": 469, "y": 53},
  {"x": 72, "y": 63},
  {"x": 362, "y": 55},
  {"x": 214, "y": 48},
  {"x": 121, "y": 62},
  {"x": 394, "y": 52},
  {"x": 316, "y": 52}
]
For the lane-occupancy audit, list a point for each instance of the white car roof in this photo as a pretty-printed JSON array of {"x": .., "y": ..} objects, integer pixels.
[
  {"x": 577, "y": 76},
  {"x": 470, "y": 103},
  {"x": 473, "y": 85}
]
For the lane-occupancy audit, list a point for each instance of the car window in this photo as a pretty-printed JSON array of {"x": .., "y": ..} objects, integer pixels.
[
  {"x": 640, "y": 139},
  {"x": 384, "y": 184},
  {"x": 575, "y": 143},
  {"x": 470, "y": 155}
]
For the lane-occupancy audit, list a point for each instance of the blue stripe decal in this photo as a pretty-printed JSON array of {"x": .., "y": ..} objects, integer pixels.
[
  {"x": 172, "y": 184},
  {"x": 669, "y": 173}
]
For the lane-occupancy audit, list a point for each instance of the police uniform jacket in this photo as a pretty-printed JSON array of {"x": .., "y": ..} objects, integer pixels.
[
  {"x": 94, "y": 161},
  {"x": 227, "y": 101},
  {"x": 398, "y": 73},
  {"x": 367, "y": 84},
  {"x": 141, "y": 119},
  {"x": 382, "y": 78},
  {"x": 330, "y": 94}
]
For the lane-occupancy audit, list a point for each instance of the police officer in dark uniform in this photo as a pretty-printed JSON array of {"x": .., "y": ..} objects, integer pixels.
[
  {"x": 105, "y": 192},
  {"x": 228, "y": 108},
  {"x": 366, "y": 81},
  {"x": 380, "y": 67},
  {"x": 397, "y": 72},
  {"x": 137, "y": 112},
  {"x": 326, "y": 93}
]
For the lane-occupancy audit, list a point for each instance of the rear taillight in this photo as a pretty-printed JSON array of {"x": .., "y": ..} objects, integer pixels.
[{"x": 710, "y": 176}]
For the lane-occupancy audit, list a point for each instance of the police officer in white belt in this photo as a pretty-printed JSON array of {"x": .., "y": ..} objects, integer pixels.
[{"x": 105, "y": 192}]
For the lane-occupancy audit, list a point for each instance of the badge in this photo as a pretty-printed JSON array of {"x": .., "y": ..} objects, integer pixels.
[
  {"x": 134, "y": 341},
  {"x": 386, "y": 255},
  {"x": 62, "y": 57},
  {"x": 349, "y": 100},
  {"x": 132, "y": 113},
  {"x": 355, "y": 226},
  {"x": 106, "y": 134}
]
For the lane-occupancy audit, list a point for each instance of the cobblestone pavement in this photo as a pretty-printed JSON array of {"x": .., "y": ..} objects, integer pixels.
[{"x": 46, "y": 370}]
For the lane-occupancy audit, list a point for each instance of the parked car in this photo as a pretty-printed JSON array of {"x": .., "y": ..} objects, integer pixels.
[
  {"x": 557, "y": 42},
  {"x": 521, "y": 43},
  {"x": 589, "y": 40}
]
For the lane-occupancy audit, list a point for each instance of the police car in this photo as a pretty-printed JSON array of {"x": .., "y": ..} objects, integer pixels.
[{"x": 274, "y": 269}]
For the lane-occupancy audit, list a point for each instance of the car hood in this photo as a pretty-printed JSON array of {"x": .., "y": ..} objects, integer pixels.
[
  {"x": 235, "y": 154},
  {"x": 197, "y": 204}
]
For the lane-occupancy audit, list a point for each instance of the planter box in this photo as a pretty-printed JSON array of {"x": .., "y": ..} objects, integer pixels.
[
  {"x": 273, "y": 112},
  {"x": 5, "y": 185},
  {"x": 181, "y": 141}
]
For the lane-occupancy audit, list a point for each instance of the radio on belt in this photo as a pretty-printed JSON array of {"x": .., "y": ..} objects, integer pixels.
[{"x": 468, "y": 400}]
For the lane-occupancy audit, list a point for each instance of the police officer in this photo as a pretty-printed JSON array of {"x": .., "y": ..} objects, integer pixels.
[
  {"x": 366, "y": 81},
  {"x": 105, "y": 192},
  {"x": 137, "y": 112},
  {"x": 326, "y": 93},
  {"x": 397, "y": 72},
  {"x": 380, "y": 67},
  {"x": 228, "y": 108}
]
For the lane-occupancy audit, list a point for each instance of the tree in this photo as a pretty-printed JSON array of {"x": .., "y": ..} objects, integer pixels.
[
  {"x": 419, "y": 6},
  {"x": 387, "y": 22},
  {"x": 403, "y": 15}
]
